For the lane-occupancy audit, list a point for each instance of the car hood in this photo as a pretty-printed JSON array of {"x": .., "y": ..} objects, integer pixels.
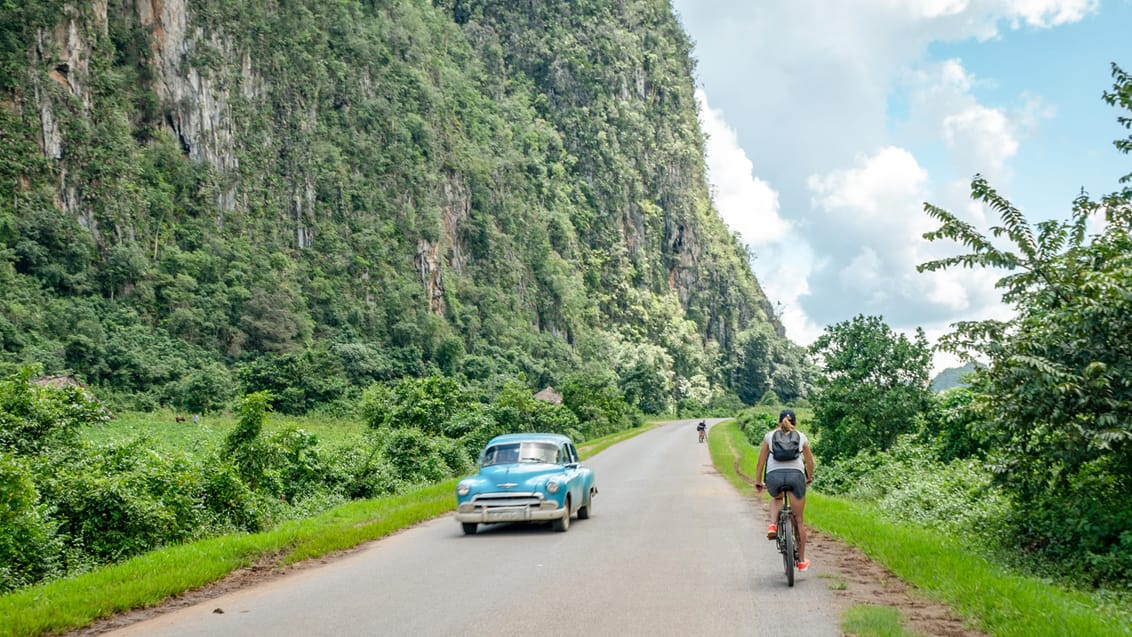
[{"x": 519, "y": 473}]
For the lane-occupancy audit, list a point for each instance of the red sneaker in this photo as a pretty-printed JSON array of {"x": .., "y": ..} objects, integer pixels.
[
  {"x": 771, "y": 531},
  {"x": 803, "y": 565}
]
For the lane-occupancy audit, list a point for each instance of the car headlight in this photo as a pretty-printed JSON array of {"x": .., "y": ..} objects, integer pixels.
[
  {"x": 552, "y": 486},
  {"x": 463, "y": 489}
]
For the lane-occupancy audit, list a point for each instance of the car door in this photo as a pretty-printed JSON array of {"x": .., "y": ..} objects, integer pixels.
[{"x": 574, "y": 478}]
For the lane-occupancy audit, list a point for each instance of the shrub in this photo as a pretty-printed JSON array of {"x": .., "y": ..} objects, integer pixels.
[
  {"x": 117, "y": 501},
  {"x": 299, "y": 465},
  {"x": 35, "y": 417},
  {"x": 910, "y": 485},
  {"x": 423, "y": 403},
  {"x": 364, "y": 470},
  {"x": 29, "y": 545},
  {"x": 414, "y": 457},
  {"x": 229, "y": 503}
]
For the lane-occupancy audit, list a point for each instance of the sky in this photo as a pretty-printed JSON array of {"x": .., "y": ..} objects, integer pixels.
[{"x": 831, "y": 123}]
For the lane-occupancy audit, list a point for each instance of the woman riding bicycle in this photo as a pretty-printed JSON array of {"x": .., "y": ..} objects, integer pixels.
[{"x": 783, "y": 471}]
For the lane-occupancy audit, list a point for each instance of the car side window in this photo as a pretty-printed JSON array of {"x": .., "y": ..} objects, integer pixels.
[{"x": 571, "y": 453}]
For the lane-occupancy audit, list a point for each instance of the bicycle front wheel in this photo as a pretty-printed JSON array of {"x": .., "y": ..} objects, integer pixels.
[{"x": 786, "y": 532}]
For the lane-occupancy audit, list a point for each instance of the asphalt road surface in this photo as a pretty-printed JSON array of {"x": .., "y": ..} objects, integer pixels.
[{"x": 671, "y": 549}]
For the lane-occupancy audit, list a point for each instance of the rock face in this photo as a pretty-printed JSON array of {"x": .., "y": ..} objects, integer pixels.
[
  {"x": 198, "y": 107},
  {"x": 65, "y": 52},
  {"x": 531, "y": 156}
]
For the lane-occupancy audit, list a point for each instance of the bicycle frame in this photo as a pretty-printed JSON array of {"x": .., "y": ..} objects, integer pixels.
[{"x": 788, "y": 539}]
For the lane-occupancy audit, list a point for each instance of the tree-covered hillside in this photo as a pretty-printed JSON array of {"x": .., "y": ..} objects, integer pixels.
[{"x": 203, "y": 198}]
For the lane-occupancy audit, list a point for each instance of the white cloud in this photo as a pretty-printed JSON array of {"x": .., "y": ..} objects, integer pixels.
[
  {"x": 980, "y": 135},
  {"x": 1049, "y": 13},
  {"x": 978, "y": 138},
  {"x": 802, "y": 156},
  {"x": 872, "y": 192},
  {"x": 748, "y": 204}
]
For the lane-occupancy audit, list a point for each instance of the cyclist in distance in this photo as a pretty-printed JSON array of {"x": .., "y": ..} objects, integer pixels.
[
  {"x": 702, "y": 429},
  {"x": 797, "y": 473}
]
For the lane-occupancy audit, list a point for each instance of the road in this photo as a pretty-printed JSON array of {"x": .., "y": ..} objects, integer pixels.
[{"x": 671, "y": 549}]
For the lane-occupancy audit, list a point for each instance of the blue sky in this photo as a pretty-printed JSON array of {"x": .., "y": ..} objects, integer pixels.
[{"x": 830, "y": 124}]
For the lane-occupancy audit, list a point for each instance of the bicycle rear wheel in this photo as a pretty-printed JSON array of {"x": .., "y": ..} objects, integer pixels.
[{"x": 786, "y": 532}]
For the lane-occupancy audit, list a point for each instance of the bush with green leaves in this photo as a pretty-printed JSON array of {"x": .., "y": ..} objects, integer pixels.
[
  {"x": 954, "y": 427},
  {"x": 230, "y": 504},
  {"x": 910, "y": 484},
  {"x": 363, "y": 470},
  {"x": 597, "y": 403},
  {"x": 244, "y": 447},
  {"x": 415, "y": 457},
  {"x": 35, "y": 417},
  {"x": 422, "y": 403},
  {"x": 516, "y": 410},
  {"x": 301, "y": 468},
  {"x": 29, "y": 544},
  {"x": 120, "y": 500}
]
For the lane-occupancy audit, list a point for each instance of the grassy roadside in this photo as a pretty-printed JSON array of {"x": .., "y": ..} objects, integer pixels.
[
  {"x": 940, "y": 567},
  {"x": 147, "y": 580}
]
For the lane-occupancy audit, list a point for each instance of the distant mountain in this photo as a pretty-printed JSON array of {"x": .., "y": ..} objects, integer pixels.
[{"x": 952, "y": 377}]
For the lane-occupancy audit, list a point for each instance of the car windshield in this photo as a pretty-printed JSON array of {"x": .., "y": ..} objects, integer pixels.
[{"x": 513, "y": 452}]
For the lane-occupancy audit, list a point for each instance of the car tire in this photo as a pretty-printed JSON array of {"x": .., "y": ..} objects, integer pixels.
[
  {"x": 562, "y": 524},
  {"x": 469, "y": 527},
  {"x": 587, "y": 506}
]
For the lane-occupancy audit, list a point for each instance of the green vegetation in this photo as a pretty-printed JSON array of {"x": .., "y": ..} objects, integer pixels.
[
  {"x": 875, "y": 621},
  {"x": 1053, "y": 407},
  {"x": 872, "y": 388},
  {"x": 1029, "y": 461},
  {"x": 402, "y": 219},
  {"x": 150, "y": 578},
  {"x": 80, "y": 491},
  {"x": 942, "y": 566},
  {"x": 355, "y": 192}
]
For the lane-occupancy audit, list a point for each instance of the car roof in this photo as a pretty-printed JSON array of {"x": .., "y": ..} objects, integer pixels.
[{"x": 530, "y": 437}]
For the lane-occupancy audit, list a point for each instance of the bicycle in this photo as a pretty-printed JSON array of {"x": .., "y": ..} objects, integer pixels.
[
  {"x": 788, "y": 538},
  {"x": 703, "y": 435}
]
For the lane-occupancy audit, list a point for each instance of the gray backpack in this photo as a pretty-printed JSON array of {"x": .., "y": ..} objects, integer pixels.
[{"x": 785, "y": 446}]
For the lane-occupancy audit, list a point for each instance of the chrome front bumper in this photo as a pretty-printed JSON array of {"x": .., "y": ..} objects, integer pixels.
[{"x": 490, "y": 508}]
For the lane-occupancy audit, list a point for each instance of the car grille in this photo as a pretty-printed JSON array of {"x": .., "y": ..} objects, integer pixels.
[{"x": 507, "y": 499}]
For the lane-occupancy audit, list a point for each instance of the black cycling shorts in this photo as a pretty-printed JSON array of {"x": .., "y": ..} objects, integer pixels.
[{"x": 779, "y": 478}]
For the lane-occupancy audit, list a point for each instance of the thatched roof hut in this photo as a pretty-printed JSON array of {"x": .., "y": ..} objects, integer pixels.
[
  {"x": 548, "y": 395},
  {"x": 60, "y": 381}
]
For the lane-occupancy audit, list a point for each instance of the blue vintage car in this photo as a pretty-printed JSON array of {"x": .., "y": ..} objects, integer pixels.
[{"x": 526, "y": 478}]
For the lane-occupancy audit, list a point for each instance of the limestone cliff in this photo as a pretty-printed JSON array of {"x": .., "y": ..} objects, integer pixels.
[{"x": 357, "y": 167}]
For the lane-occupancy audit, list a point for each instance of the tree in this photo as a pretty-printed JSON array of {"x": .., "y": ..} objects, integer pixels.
[
  {"x": 1056, "y": 395},
  {"x": 421, "y": 403},
  {"x": 873, "y": 386}
]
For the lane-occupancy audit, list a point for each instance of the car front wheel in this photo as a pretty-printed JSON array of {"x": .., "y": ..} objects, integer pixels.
[
  {"x": 562, "y": 524},
  {"x": 469, "y": 527}
]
